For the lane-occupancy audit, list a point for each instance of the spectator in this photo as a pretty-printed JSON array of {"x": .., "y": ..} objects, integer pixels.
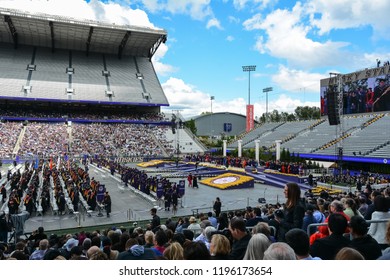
[
  {"x": 174, "y": 252},
  {"x": 264, "y": 228},
  {"x": 160, "y": 242},
  {"x": 212, "y": 219},
  {"x": 134, "y": 251},
  {"x": 347, "y": 253},
  {"x": 279, "y": 251},
  {"x": 294, "y": 209},
  {"x": 196, "y": 251},
  {"x": 194, "y": 226},
  {"x": 378, "y": 230},
  {"x": 326, "y": 248},
  {"x": 256, "y": 219},
  {"x": 241, "y": 238},
  {"x": 219, "y": 247},
  {"x": 41, "y": 251},
  {"x": 257, "y": 245},
  {"x": 299, "y": 242},
  {"x": 155, "y": 223},
  {"x": 362, "y": 241}
]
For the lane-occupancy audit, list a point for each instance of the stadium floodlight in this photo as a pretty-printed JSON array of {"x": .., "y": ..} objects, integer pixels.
[
  {"x": 249, "y": 69},
  {"x": 266, "y": 90}
]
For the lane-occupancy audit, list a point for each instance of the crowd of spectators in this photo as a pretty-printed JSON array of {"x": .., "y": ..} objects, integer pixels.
[
  {"x": 259, "y": 232},
  {"x": 45, "y": 140},
  {"x": 28, "y": 113},
  {"x": 9, "y": 133}
]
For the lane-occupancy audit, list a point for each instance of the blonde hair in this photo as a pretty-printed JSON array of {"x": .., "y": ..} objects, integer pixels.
[
  {"x": 220, "y": 245},
  {"x": 174, "y": 252},
  {"x": 149, "y": 236}
]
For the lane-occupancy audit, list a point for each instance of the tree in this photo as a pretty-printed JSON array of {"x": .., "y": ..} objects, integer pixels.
[
  {"x": 307, "y": 113},
  {"x": 191, "y": 126}
]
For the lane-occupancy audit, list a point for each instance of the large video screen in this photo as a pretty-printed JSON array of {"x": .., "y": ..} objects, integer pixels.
[{"x": 361, "y": 96}]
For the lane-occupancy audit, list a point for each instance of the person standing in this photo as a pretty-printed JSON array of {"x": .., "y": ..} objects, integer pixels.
[
  {"x": 3, "y": 228},
  {"x": 378, "y": 230},
  {"x": 217, "y": 207},
  {"x": 381, "y": 96},
  {"x": 155, "y": 223},
  {"x": 189, "y": 179},
  {"x": 195, "y": 182},
  {"x": 107, "y": 203},
  {"x": 3, "y": 192},
  {"x": 294, "y": 208}
]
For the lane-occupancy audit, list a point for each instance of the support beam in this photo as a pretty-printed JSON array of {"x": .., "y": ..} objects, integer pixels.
[
  {"x": 51, "y": 24},
  {"x": 12, "y": 30},
  {"x": 239, "y": 142},
  {"x": 153, "y": 50},
  {"x": 123, "y": 44},
  {"x": 88, "y": 43}
]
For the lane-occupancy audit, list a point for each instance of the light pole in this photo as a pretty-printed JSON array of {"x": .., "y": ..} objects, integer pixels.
[
  {"x": 266, "y": 90},
  {"x": 211, "y": 110},
  {"x": 249, "y": 69}
]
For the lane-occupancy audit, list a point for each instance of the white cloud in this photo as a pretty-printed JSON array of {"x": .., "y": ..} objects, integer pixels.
[
  {"x": 230, "y": 38},
  {"x": 196, "y": 9},
  {"x": 287, "y": 37},
  {"x": 192, "y": 102},
  {"x": 260, "y": 4},
  {"x": 214, "y": 23},
  {"x": 295, "y": 80},
  {"x": 327, "y": 15},
  {"x": 287, "y": 104},
  {"x": 233, "y": 19},
  {"x": 79, "y": 9},
  {"x": 185, "y": 97}
]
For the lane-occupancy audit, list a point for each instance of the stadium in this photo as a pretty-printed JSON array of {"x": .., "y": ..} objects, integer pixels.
[{"x": 81, "y": 115}]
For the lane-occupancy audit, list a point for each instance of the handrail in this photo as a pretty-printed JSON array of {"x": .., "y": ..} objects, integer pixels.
[{"x": 325, "y": 224}]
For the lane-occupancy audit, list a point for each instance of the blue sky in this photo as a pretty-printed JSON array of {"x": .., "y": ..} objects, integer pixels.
[{"x": 292, "y": 44}]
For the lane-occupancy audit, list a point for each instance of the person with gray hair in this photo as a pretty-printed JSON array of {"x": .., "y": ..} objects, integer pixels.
[
  {"x": 257, "y": 246},
  {"x": 41, "y": 251},
  {"x": 279, "y": 251},
  {"x": 208, "y": 233}
]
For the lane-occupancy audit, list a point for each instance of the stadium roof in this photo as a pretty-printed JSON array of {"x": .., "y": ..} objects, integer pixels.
[{"x": 58, "y": 32}]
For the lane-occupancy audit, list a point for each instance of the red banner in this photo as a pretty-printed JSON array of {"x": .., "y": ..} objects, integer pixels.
[{"x": 249, "y": 117}]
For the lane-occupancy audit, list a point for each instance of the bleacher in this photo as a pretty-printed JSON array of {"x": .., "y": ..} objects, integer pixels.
[{"x": 281, "y": 132}]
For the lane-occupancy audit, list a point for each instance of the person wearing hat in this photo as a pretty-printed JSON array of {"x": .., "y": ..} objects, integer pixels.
[
  {"x": 107, "y": 203},
  {"x": 194, "y": 226}
]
